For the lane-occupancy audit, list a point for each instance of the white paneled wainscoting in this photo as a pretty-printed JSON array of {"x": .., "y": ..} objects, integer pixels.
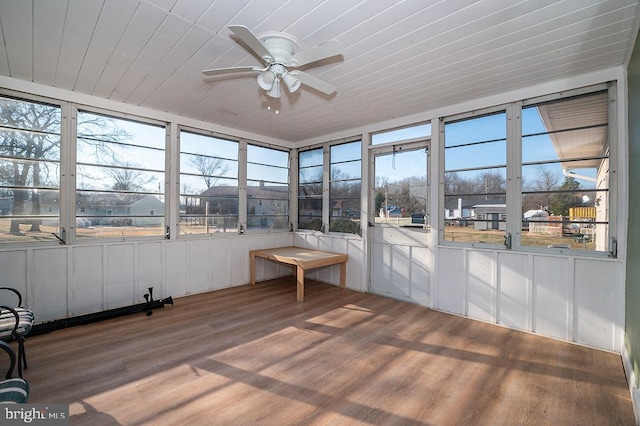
[
  {"x": 65, "y": 281},
  {"x": 576, "y": 299},
  {"x": 571, "y": 298}
]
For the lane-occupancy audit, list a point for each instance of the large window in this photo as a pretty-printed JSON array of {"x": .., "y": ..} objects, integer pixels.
[
  {"x": 310, "y": 172},
  {"x": 267, "y": 189},
  {"x": 558, "y": 167},
  {"x": 119, "y": 177},
  {"x": 29, "y": 171},
  {"x": 565, "y": 173},
  {"x": 475, "y": 181},
  {"x": 330, "y": 187},
  {"x": 208, "y": 184},
  {"x": 345, "y": 185}
]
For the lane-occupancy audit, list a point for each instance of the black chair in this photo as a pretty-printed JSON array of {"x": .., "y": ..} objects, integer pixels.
[
  {"x": 15, "y": 324},
  {"x": 13, "y": 390}
]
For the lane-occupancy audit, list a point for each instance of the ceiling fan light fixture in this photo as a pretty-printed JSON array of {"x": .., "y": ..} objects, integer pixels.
[
  {"x": 291, "y": 81},
  {"x": 266, "y": 80},
  {"x": 274, "y": 92}
]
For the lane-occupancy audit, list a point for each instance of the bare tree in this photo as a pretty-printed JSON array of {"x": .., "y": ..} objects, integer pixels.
[
  {"x": 128, "y": 178},
  {"x": 491, "y": 183},
  {"x": 29, "y": 140},
  {"x": 210, "y": 168},
  {"x": 545, "y": 183}
]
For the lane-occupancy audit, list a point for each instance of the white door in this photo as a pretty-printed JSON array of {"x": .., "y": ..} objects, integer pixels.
[{"x": 398, "y": 224}]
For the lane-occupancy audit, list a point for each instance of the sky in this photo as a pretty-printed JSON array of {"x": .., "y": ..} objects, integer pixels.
[{"x": 491, "y": 128}]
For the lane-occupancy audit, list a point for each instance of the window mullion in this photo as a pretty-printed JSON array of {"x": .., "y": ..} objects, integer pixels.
[
  {"x": 68, "y": 132},
  {"x": 613, "y": 181},
  {"x": 172, "y": 181},
  {"x": 242, "y": 186},
  {"x": 293, "y": 189},
  {"x": 514, "y": 175},
  {"x": 326, "y": 175}
]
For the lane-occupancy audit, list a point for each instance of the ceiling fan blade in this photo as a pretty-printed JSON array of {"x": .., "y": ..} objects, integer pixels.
[
  {"x": 222, "y": 71},
  {"x": 314, "y": 82},
  {"x": 318, "y": 53},
  {"x": 245, "y": 35}
]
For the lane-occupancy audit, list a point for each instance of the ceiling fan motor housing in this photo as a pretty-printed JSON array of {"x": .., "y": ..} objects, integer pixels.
[{"x": 281, "y": 45}]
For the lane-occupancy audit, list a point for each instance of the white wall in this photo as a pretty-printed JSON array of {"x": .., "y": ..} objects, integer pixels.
[
  {"x": 63, "y": 281},
  {"x": 564, "y": 297},
  {"x": 353, "y": 246}
]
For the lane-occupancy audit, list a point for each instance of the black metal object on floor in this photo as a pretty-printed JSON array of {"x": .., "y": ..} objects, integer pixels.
[{"x": 147, "y": 307}]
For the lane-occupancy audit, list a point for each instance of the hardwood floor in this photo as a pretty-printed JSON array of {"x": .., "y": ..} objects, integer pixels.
[{"x": 253, "y": 355}]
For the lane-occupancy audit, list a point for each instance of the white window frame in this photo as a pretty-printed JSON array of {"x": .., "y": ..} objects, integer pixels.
[
  {"x": 168, "y": 193},
  {"x": 177, "y": 162},
  {"x": 326, "y": 172},
  {"x": 513, "y": 233}
]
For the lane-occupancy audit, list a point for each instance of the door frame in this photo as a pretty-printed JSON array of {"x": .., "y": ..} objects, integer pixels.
[{"x": 390, "y": 149}]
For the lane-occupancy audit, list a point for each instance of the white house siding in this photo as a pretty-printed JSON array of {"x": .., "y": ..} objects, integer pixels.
[{"x": 146, "y": 206}]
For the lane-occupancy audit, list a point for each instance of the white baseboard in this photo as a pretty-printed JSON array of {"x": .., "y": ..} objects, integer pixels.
[
  {"x": 635, "y": 398},
  {"x": 631, "y": 381}
]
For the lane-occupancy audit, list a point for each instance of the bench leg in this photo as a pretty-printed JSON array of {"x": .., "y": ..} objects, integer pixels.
[
  {"x": 300, "y": 283},
  {"x": 343, "y": 274},
  {"x": 252, "y": 268}
]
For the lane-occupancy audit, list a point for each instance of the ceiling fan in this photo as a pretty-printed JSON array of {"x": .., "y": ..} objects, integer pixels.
[{"x": 281, "y": 54}]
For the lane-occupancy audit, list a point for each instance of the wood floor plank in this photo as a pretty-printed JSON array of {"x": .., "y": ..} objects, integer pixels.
[{"x": 253, "y": 355}]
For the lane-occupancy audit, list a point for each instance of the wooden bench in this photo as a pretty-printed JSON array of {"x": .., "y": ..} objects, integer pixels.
[{"x": 300, "y": 259}]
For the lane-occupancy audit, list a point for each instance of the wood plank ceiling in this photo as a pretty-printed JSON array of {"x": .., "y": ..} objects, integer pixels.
[{"x": 400, "y": 57}]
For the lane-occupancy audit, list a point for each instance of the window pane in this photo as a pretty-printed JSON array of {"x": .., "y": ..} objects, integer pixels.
[
  {"x": 193, "y": 143},
  {"x": 261, "y": 155},
  {"x": 208, "y": 184},
  {"x": 267, "y": 173},
  {"x": 565, "y": 172},
  {"x": 310, "y": 189},
  {"x": 311, "y": 175},
  {"x": 310, "y": 213},
  {"x": 119, "y": 154},
  {"x": 208, "y": 168},
  {"x": 476, "y": 130},
  {"x": 345, "y": 187},
  {"x": 475, "y": 180},
  {"x": 406, "y": 133},
  {"x": 267, "y": 189},
  {"x": 346, "y": 170},
  {"x": 476, "y": 156},
  {"x": 29, "y": 170},
  {"x": 310, "y": 158},
  {"x": 119, "y": 177}
]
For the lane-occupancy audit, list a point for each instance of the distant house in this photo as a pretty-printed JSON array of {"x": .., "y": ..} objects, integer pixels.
[
  {"x": 147, "y": 205},
  {"x": 264, "y": 203},
  {"x": 454, "y": 209},
  {"x": 489, "y": 217},
  {"x": 116, "y": 209}
]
